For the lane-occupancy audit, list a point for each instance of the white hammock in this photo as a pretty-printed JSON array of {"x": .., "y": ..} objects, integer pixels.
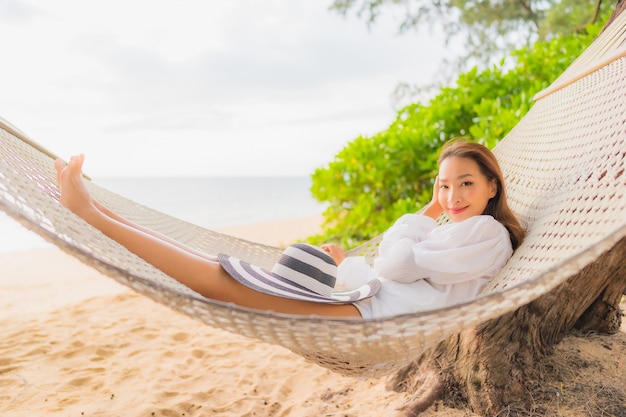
[{"x": 564, "y": 168}]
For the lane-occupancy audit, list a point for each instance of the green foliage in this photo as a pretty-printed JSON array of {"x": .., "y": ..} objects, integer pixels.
[{"x": 374, "y": 180}]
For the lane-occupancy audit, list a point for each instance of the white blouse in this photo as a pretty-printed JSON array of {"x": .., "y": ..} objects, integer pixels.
[{"x": 423, "y": 266}]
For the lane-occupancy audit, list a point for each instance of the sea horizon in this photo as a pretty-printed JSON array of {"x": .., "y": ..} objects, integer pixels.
[{"x": 209, "y": 202}]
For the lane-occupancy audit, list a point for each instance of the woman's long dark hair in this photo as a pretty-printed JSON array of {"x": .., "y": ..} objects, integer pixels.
[{"x": 497, "y": 207}]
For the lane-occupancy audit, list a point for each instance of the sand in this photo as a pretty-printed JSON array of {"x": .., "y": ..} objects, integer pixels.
[{"x": 77, "y": 343}]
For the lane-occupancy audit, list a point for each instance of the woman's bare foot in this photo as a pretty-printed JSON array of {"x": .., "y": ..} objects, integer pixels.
[{"x": 74, "y": 194}]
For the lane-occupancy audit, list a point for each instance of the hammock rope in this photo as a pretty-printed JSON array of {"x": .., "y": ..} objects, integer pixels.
[{"x": 564, "y": 171}]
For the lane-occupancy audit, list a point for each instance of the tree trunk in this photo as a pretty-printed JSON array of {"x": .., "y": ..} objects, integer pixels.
[
  {"x": 490, "y": 368},
  {"x": 619, "y": 8}
]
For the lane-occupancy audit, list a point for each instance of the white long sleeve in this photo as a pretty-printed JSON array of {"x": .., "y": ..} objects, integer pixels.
[
  {"x": 451, "y": 253},
  {"x": 424, "y": 266}
]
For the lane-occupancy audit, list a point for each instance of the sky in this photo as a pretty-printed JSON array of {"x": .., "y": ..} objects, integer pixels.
[{"x": 203, "y": 87}]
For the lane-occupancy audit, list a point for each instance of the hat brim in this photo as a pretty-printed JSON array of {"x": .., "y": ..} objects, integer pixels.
[{"x": 264, "y": 281}]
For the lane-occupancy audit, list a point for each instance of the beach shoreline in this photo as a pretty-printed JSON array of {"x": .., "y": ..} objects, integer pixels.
[
  {"x": 44, "y": 278},
  {"x": 277, "y": 233}
]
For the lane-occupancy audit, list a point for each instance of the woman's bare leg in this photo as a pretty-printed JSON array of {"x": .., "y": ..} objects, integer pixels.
[
  {"x": 60, "y": 165},
  {"x": 198, "y": 272}
]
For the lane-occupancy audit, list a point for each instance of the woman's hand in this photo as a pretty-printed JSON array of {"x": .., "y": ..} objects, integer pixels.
[
  {"x": 335, "y": 251},
  {"x": 434, "y": 209}
]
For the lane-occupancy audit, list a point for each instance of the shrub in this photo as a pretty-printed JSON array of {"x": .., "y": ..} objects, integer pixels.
[{"x": 374, "y": 180}]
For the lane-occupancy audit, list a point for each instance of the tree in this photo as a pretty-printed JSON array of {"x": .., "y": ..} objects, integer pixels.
[
  {"x": 492, "y": 365},
  {"x": 491, "y": 29}
]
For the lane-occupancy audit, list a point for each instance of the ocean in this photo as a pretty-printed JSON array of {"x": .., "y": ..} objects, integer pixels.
[{"x": 208, "y": 202}]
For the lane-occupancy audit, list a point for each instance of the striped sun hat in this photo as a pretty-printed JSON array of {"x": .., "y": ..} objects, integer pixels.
[{"x": 303, "y": 272}]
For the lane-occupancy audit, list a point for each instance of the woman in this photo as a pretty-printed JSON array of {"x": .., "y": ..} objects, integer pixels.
[{"x": 469, "y": 189}]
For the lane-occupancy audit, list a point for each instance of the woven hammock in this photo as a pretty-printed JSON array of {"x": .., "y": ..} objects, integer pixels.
[{"x": 564, "y": 168}]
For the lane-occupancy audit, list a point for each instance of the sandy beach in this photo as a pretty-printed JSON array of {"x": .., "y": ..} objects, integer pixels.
[{"x": 77, "y": 343}]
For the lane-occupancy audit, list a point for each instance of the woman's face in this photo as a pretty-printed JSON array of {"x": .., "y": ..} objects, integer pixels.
[{"x": 463, "y": 190}]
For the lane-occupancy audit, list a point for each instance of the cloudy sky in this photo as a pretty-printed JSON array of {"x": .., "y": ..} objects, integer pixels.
[{"x": 202, "y": 87}]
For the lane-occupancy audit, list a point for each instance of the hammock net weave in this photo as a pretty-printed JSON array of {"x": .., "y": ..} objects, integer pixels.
[{"x": 564, "y": 172}]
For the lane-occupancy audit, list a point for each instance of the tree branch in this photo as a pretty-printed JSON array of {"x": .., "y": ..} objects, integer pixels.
[
  {"x": 596, "y": 13},
  {"x": 531, "y": 13}
]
